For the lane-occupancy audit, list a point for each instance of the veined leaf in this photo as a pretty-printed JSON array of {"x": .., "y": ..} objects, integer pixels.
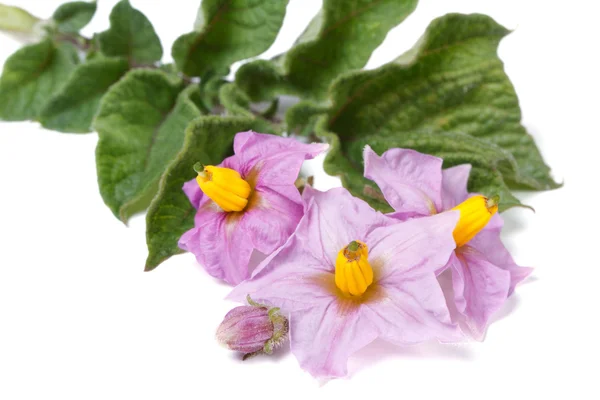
[
  {"x": 228, "y": 31},
  {"x": 31, "y": 76},
  {"x": 451, "y": 81},
  {"x": 339, "y": 39},
  {"x": 488, "y": 161},
  {"x": 141, "y": 124},
  {"x": 72, "y": 109},
  {"x": 131, "y": 36},
  {"x": 208, "y": 140},
  {"x": 71, "y": 17}
]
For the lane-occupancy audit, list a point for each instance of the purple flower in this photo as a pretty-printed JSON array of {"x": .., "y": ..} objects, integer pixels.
[
  {"x": 483, "y": 272},
  {"x": 248, "y": 202},
  {"x": 253, "y": 329},
  {"x": 350, "y": 274}
]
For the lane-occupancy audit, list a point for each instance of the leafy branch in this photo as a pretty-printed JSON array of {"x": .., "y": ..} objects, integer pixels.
[{"x": 448, "y": 96}]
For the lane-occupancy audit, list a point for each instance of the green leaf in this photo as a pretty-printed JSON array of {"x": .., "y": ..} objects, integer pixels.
[
  {"x": 491, "y": 182},
  {"x": 339, "y": 39},
  {"x": 131, "y": 36},
  {"x": 451, "y": 81},
  {"x": 488, "y": 161},
  {"x": 71, "y": 17},
  {"x": 237, "y": 103},
  {"x": 228, "y": 31},
  {"x": 31, "y": 76},
  {"x": 15, "y": 19},
  {"x": 271, "y": 111},
  {"x": 210, "y": 91},
  {"x": 72, "y": 109},
  {"x": 141, "y": 124},
  {"x": 300, "y": 119},
  {"x": 168, "y": 68},
  {"x": 207, "y": 140}
]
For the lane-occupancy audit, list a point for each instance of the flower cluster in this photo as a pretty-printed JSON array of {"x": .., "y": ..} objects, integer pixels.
[{"x": 343, "y": 273}]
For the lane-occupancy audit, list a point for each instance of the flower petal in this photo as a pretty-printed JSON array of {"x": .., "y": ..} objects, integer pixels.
[
  {"x": 219, "y": 245},
  {"x": 323, "y": 337},
  {"x": 193, "y": 192},
  {"x": 339, "y": 218},
  {"x": 289, "y": 279},
  {"x": 405, "y": 256},
  {"x": 271, "y": 222},
  {"x": 483, "y": 290},
  {"x": 413, "y": 311},
  {"x": 410, "y": 181},
  {"x": 488, "y": 243},
  {"x": 413, "y": 247},
  {"x": 454, "y": 185},
  {"x": 279, "y": 159}
]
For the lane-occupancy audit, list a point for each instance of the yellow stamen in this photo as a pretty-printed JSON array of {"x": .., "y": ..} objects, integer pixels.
[
  {"x": 475, "y": 213},
  {"x": 224, "y": 186},
  {"x": 353, "y": 273}
]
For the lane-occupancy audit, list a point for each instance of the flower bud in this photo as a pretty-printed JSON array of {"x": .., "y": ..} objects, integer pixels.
[{"x": 253, "y": 329}]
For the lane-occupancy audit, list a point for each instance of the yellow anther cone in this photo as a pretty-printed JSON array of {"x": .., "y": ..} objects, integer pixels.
[
  {"x": 475, "y": 213},
  {"x": 353, "y": 273},
  {"x": 224, "y": 186}
]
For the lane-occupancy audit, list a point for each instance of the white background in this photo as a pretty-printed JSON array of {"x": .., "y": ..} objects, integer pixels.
[{"x": 80, "y": 320}]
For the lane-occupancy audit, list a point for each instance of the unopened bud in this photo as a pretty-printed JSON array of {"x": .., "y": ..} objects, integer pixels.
[{"x": 253, "y": 329}]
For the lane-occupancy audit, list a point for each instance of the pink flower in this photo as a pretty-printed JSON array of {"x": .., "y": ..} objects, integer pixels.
[
  {"x": 248, "y": 202},
  {"x": 483, "y": 272},
  {"x": 350, "y": 274}
]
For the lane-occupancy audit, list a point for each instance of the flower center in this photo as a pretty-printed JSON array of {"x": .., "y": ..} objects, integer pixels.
[
  {"x": 224, "y": 186},
  {"x": 475, "y": 213},
  {"x": 353, "y": 273}
]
